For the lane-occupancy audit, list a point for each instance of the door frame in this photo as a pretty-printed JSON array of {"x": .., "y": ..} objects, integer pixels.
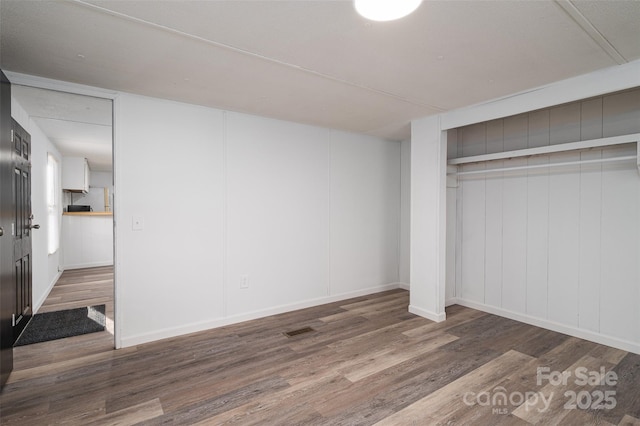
[
  {"x": 113, "y": 96},
  {"x": 7, "y": 280}
]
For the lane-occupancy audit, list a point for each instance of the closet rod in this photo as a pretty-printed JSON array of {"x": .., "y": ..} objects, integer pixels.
[{"x": 546, "y": 165}]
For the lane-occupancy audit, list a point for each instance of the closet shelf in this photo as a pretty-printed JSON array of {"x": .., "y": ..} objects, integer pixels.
[
  {"x": 571, "y": 146},
  {"x": 547, "y": 165}
]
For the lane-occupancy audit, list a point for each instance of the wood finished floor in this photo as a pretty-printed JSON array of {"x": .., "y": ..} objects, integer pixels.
[{"x": 368, "y": 362}]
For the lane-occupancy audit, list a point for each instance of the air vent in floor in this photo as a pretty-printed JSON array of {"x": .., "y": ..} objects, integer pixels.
[{"x": 298, "y": 331}]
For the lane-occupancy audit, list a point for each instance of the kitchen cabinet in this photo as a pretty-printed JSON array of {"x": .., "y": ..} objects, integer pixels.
[
  {"x": 87, "y": 239},
  {"x": 75, "y": 174}
]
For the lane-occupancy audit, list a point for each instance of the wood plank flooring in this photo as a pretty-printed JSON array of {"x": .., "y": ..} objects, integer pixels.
[
  {"x": 75, "y": 288},
  {"x": 367, "y": 361}
]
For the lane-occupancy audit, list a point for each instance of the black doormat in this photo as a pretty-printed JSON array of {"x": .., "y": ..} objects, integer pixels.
[{"x": 61, "y": 324}]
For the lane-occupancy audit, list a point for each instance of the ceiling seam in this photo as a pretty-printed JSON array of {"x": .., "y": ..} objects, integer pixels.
[
  {"x": 252, "y": 54},
  {"x": 587, "y": 26}
]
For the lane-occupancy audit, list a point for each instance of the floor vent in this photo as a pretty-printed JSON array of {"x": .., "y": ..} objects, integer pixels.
[{"x": 298, "y": 331}]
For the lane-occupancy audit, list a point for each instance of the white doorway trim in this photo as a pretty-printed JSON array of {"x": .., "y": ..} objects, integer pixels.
[{"x": 96, "y": 92}]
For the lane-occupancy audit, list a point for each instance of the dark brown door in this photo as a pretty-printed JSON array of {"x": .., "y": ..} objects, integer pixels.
[
  {"x": 7, "y": 212},
  {"x": 22, "y": 258}
]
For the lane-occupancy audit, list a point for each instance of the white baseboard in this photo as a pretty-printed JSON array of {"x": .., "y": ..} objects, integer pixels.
[
  {"x": 427, "y": 314},
  {"x": 404, "y": 286},
  {"x": 592, "y": 336},
  {"x": 39, "y": 302},
  {"x": 89, "y": 265},
  {"x": 234, "y": 319}
]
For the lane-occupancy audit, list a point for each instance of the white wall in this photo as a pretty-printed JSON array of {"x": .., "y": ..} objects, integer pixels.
[
  {"x": 168, "y": 173},
  {"x": 307, "y": 215},
  {"x": 560, "y": 246},
  {"x": 45, "y": 267},
  {"x": 428, "y": 218},
  {"x": 101, "y": 179},
  {"x": 405, "y": 213},
  {"x": 277, "y": 223},
  {"x": 365, "y": 212}
]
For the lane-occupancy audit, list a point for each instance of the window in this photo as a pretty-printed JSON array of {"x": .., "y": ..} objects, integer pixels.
[{"x": 53, "y": 204}]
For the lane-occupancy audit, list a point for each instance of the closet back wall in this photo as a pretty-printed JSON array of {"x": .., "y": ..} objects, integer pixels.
[{"x": 555, "y": 246}]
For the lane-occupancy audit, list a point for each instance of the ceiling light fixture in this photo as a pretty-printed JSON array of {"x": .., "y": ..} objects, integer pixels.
[{"x": 385, "y": 10}]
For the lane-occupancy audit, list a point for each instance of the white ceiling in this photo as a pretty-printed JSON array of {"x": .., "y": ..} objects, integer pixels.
[
  {"x": 318, "y": 62},
  {"x": 79, "y": 126}
]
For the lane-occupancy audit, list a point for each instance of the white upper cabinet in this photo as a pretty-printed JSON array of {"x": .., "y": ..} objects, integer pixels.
[{"x": 75, "y": 174}]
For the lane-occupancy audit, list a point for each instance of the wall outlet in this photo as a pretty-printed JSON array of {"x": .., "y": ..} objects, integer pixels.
[{"x": 244, "y": 281}]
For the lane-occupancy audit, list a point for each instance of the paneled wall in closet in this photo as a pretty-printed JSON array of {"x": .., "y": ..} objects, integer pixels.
[{"x": 556, "y": 245}]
